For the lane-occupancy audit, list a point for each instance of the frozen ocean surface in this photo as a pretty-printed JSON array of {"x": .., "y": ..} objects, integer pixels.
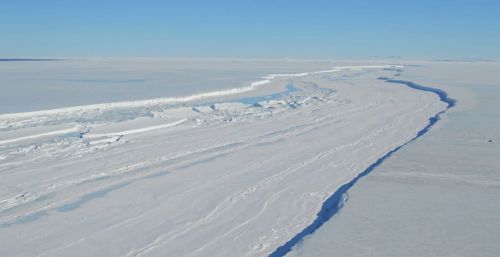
[{"x": 39, "y": 84}]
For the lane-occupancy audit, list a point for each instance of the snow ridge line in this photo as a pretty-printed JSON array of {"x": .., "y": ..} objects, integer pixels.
[
  {"x": 157, "y": 101},
  {"x": 333, "y": 204},
  {"x": 51, "y": 133},
  {"x": 134, "y": 131}
]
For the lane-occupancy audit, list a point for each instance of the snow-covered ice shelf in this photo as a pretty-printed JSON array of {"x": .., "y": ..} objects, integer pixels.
[
  {"x": 213, "y": 175},
  {"x": 438, "y": 195}
]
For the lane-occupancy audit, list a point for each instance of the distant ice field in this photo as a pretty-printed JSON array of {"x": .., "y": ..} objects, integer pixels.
[{"x": 31, "y": 85}]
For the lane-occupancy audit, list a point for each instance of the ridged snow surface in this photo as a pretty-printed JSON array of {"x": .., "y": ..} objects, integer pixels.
[{"x": 201, "y": 175}]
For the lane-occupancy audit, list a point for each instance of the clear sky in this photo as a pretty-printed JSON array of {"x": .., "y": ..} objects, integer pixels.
[{"x": 258, "y": 28}]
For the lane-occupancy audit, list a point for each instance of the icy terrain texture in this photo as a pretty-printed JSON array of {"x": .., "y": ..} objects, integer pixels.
[
  {"x": 437, "y": 196},
  {"x": 233, "y": 172}
]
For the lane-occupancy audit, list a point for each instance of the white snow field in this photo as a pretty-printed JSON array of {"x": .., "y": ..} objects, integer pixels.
[
  {"x": 437, "y": 196},
  {"x": 235, "y": 172},
  {"x": 40, "y": 85}
]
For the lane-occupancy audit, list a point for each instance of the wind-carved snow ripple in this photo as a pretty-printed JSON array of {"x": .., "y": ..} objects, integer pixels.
[
  {"x": 127, "y": 174},
  {"x": 333, "y": 204},
  {"x": 226, "y": 204}
]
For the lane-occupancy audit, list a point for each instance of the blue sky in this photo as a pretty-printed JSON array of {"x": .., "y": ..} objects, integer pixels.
[{"x": 258, "y": 28}]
